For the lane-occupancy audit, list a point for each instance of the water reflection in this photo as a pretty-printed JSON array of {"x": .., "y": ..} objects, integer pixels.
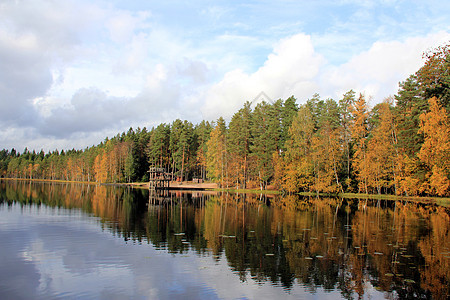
[{"x": 354, "y": 246}]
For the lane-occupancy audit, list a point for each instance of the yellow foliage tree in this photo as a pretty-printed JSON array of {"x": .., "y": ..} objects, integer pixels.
[
  {"x": 100, "y": 167},
  {"x": 381, "y": 152},
  {"x": 298, "y": 163},
  {"x": 216, "y": 153},
  {"x": 326, "y": 152},
  {"x": 409, "y": 184},
  {"x": 435, "y": 151},
  {"x": 359, "y": 132}
]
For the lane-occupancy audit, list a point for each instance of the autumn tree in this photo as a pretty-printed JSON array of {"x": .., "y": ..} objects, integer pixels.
[
  {"x": 435, "y": 151},
  {"x": 382, "y": 153},
  {"x": 432, "y": 80},
  {"x": 100, "y": 167},
  {"x": 359, "y": 132},
  {"x": 326, "y": 148},
  {"x": 298, "y": 163}
]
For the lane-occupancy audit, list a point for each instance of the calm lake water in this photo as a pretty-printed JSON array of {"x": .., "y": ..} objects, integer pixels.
[{"x": 85, "y": 241}]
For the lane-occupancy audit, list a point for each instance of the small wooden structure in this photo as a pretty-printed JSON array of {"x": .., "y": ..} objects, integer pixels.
[{"x": 159, "y": 178}]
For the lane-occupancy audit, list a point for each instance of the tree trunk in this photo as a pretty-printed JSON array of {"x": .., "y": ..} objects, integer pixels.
[{"x": 182, "y": 166}]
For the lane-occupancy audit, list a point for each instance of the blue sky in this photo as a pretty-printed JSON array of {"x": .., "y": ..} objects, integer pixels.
[{"x": 74, "y": 72}]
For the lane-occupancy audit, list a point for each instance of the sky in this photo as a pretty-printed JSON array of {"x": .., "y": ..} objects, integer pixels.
[{"x": 75, "y": 72}]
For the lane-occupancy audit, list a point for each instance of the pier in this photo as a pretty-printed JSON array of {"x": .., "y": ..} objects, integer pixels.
[{"x": 159, "y": 178}]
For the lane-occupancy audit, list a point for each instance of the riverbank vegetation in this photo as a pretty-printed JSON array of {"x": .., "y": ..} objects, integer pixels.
[{"x": 400, "y": 146}]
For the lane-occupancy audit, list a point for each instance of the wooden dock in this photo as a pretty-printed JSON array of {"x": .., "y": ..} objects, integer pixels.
[
  {"x": 192, "y": 186},
  {"x": 159, "y": 179}
]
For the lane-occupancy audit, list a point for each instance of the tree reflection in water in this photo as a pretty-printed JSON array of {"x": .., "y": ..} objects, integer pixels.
[{"x": 398, "y": 247}]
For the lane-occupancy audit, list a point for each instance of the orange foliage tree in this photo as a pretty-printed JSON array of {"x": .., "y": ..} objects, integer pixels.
[
  {"x": 298, "y": 162},
  {"x": 382, "y": 156},
  {"x": 359, "y": 134},
  {"x": 435, "y": 151}
]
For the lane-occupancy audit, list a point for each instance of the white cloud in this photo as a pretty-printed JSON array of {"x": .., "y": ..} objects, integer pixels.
[
  {"x": 378, "y": 70},
  {"x": 290, "y": 69},
  {"x": 36, "y": 40},
  {"x": 134, "y": 55},
  {"x": 122, "y": 25},
  {"x": 24, "y": 74}
]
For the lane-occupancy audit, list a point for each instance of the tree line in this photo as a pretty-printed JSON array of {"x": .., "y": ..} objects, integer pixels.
[{"x": 400, "y": 146}]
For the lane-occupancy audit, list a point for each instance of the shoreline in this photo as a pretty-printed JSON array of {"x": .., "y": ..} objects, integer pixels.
[{"x": 186, "y": 185}]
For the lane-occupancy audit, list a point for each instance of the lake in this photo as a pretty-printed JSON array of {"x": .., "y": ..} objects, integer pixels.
[{"x": 86, "y": 241}]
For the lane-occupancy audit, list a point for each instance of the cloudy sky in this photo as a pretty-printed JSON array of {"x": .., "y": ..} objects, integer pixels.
[{"x": 74, "y": 72}]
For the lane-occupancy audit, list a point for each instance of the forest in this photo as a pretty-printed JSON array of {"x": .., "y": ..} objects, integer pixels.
[{"x": 400, "y": 146}]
